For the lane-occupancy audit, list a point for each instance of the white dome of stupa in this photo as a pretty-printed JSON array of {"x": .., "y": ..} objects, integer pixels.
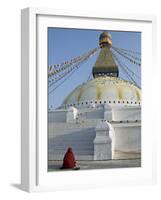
[{"x": 104, "y": 90}]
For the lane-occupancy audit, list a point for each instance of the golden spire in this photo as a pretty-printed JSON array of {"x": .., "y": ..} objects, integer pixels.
[
  {"x": 105, "y": 64},
  {"x": 105, "y": 39}
]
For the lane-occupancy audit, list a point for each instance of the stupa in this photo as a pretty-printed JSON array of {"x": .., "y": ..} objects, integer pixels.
[{"x": 101, "y": 118}]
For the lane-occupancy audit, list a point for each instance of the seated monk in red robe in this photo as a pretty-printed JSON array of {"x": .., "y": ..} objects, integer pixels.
[{"x": 69, "y": 161}]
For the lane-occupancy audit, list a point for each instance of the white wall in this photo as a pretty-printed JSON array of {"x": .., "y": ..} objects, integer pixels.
[
  {"x": 93, "y": 114},
  {"x": 10, "y": 97},
  {"x": 126, "y": 113},
  {"x": 57, "y": 116},
  {"x": 127, "y": 141}
]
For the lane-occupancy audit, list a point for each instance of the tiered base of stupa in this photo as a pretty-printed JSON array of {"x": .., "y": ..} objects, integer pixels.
[{"x": 95, "y": 134}]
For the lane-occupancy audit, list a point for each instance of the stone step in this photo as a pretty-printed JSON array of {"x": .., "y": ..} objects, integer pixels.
[
  {"x": 65, "y": 147},
  {"x": 74, "y": 145},
  {"x": 72, "y": 142},
  {"x": 65, "y": 132},
  {"x": 81, "y": 142},
  {"x": 77, "y": 153},
  {"x": 77, "y": 157}
]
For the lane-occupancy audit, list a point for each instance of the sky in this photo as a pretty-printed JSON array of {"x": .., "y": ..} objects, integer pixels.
[{"x": 65, "y": 44}]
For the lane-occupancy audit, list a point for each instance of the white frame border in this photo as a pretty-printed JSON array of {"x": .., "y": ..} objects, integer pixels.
[{"x": 29, "y": 168}]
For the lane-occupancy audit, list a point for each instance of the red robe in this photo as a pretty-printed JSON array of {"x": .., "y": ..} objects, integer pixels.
[{"x": 69, "y": 161}]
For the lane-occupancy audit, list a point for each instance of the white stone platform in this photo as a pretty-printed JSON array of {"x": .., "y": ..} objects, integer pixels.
[
  {"x": 109, "y": 164},
  {"x": 81, "y": 136}
]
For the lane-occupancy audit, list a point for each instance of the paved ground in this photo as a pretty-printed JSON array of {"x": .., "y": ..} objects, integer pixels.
[{"x": 84, "y": 165}]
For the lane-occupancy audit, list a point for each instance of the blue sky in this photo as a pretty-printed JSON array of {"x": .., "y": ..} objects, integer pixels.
[{"x": 65, "y": 44}]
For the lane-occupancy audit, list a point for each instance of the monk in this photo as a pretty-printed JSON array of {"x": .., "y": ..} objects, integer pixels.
[{"x": 69, "y": 161}]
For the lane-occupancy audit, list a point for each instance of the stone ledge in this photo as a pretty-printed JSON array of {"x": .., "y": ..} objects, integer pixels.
[{"x": 106, "y": 164}]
